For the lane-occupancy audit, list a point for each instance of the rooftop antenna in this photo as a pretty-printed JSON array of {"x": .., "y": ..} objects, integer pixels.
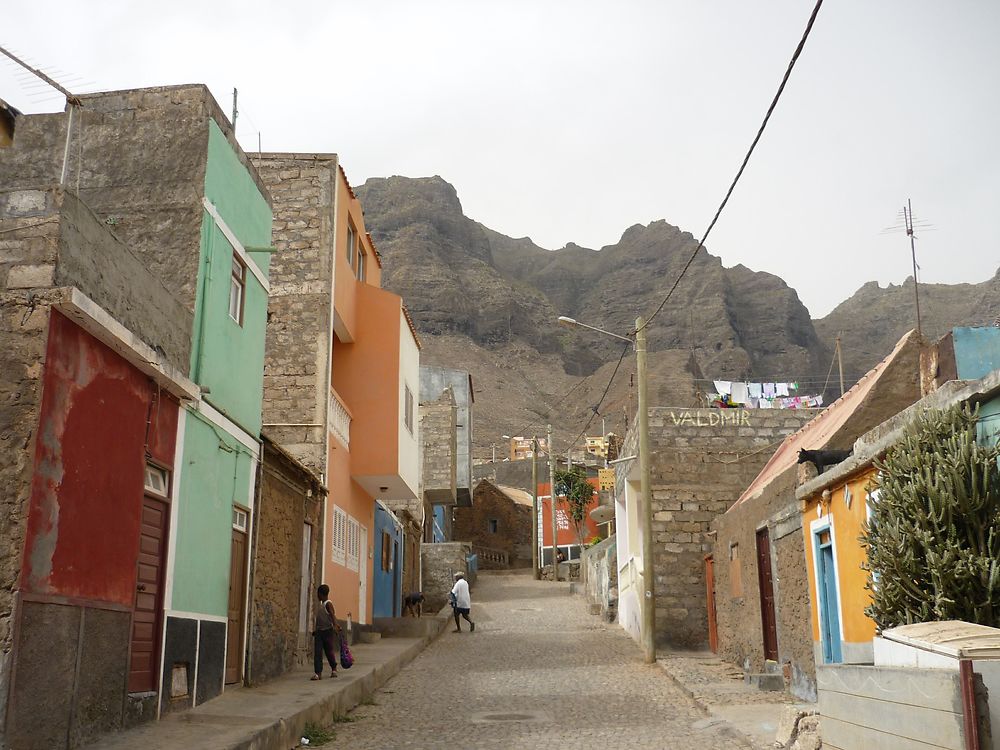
[
  {"x": 910, "y": 226},
  {"x": 71, "y": 99}
]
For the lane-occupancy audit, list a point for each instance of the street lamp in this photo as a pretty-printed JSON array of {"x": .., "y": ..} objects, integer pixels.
[{"x": 649, "y": 598}]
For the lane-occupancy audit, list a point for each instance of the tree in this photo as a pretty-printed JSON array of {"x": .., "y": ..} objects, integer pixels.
[
  {"x": 579, "y": 494},
  {"x": 933, "y": 538}
]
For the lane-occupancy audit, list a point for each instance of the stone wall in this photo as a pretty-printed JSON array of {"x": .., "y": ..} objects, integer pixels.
[
  {"x": 290, "y": 497},
  {"x": 702, "y": 461},
  {"x": 440, "y": 562},
  {"x": 740, "y": 628},
  {"x": 600, "y": 577},
  {"x": 438, "y": 433},
  {"x": 513, "y": 524},
  {"x": 297, "y": 354}
]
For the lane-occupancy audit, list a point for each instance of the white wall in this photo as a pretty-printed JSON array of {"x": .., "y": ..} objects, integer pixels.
[{"x": 409, "y": 375}]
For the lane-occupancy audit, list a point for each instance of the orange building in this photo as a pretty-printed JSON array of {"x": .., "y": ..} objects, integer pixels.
[
  {"x": 566, "y": 534},
  {"x": 343, "y": 366}
]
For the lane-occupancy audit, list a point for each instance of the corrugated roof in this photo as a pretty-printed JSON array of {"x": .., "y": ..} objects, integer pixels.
[
  {"x": 818, "y": 432},
  {"x": 962, "y": 640},
  {"x": 518, "y": 496}
]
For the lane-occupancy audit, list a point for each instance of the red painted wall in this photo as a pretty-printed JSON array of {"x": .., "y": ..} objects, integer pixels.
[
  {"x": 90, "y": 456},
  {"x": 565, "y": 536}
]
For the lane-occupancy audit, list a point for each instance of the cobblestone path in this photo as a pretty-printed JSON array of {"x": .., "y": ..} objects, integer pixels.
[{"x": 539, "y": 671}]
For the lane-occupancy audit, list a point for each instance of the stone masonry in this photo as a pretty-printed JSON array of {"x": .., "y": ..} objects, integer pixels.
[
  {"x": 440, "y": 562},
  {"x": 297, "y": 354},
  {"x": 702, "y": 460},
  {"x": 512, "y": 522},
  {"x": 290, "y": 497}
]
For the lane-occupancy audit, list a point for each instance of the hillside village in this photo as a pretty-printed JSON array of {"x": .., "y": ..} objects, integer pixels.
[{"x": 265, "y": 429}]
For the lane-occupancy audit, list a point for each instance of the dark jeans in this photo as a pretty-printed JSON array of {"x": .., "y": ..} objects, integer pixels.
[
  {"x": 325, "y": 641},
  {"x": 461, "y": 612}
]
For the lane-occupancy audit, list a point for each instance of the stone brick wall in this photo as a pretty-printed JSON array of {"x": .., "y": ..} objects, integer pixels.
[
  {"x": 438, "y": 434},
  {"x": 600, "y": 577},
  {"x": 702, "y": 461},
  {"x": 741, "y": 636},
  {"x": 290, "y": 497},
  {"x": 297, "y": 354},
  {"x": 513, "y": 521},
  {"x": 440, "y": 562}
]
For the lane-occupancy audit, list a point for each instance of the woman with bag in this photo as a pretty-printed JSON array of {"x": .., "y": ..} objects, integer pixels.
[{"x": 326, "y": 635}]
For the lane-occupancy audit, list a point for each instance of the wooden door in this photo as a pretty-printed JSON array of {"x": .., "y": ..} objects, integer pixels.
[
  {"x": 237, "y": 595},
  {"x": 713, "y": 626},
  {"x": 766, "y": 585},
  {"x": 147, "y": 613}
]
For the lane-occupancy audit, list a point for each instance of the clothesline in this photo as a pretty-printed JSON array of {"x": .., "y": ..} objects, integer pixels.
[{"x": 732, "y": 394}]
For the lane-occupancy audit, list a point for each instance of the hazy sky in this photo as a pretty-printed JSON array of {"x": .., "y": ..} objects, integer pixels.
[{"x": 571, "y": 121}]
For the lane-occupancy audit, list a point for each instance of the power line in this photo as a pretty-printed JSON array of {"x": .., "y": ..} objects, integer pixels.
[
  {"x": 596, "y": 409},
  {"x": 746, "y": 159}
]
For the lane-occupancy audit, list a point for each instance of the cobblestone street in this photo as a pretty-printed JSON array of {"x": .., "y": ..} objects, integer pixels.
[{"x": 538, "y": 671}]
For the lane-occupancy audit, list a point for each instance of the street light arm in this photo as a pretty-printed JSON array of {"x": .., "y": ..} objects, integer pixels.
[{"x": 565, "y": 320}]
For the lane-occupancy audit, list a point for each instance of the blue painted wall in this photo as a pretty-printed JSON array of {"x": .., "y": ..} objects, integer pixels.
[
  {"x": 438, "y": 534},
  {"x": 977, "y": 351},
  {"x": 989, "y": 421},
  {"x": 387, "y": 585}
]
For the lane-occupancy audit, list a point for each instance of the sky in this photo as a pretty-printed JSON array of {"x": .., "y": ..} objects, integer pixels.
[{"x": 570, "y": 121}]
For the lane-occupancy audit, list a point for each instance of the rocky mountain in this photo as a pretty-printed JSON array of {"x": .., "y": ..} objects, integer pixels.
[
  {"x": 489, "y": 303},
  {"x": 872, "y": 320}
]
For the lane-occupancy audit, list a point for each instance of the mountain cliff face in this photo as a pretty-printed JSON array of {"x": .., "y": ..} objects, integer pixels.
[{"x": 489, "y": 303}]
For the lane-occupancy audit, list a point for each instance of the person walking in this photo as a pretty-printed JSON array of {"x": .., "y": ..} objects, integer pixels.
[
  {"x": 326, "y": 636},
  {"x": 462, "y": 602}
]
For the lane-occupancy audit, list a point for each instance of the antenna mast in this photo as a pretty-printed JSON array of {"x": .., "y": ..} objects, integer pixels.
[{"x": 908, "y": 217}]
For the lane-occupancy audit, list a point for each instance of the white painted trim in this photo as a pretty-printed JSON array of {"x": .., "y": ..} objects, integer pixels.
[
  {"x": 392, "y": 514},
  {"x": 168, "y": 567},
  {"x": 197, "y": 659},
  {"x": 194, "y": 616},
  {"x": 96, "y": 321},
  {"x": 219, "y": 419},
  {"x": 815, "y": 527},
  {"x": 237, "y": 245}
]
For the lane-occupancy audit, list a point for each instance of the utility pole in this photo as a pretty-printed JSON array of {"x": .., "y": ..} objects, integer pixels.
[
  {"x": 534, "y": 509},
  {"x": 840, "y": 364},
  {"x": 649, "y": 599},
  {"x": 908, "y": 216},
  {"x": 235, "y": 111},
  {"x": 552, "y": 500}
]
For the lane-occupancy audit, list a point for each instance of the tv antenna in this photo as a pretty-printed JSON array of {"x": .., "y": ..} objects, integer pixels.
[{"x": 905, "y": 222}]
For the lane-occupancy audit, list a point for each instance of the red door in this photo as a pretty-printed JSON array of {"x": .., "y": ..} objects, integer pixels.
[
  {"x": 148, "y": 596},
  {"x": 766, "y": 584},
  {"x": 237, "y": 593},
  {"x": 713, "y": 627}
]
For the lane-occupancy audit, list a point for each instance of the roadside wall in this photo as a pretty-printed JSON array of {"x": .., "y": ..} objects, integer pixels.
[
  {"x": 440, "y": 563},
  {"x": 601, "y": 577},
  {"x": 491, "y": 508}
]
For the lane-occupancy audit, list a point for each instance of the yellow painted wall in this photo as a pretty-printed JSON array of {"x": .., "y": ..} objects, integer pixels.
[{"x": 847, "y": 526}]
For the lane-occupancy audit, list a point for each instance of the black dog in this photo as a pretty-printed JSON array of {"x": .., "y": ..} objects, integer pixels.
[
  {"x": 823, "y": 459},
  {"x": 413, "y": 604}
]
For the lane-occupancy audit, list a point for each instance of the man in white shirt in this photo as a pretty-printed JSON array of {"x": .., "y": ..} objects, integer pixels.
[{"x": 462, "y": 602}]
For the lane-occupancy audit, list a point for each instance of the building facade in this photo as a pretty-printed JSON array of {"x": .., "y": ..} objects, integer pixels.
[
  {"x": 500, "y": 519},
  {"x": 342, "y": 373}
]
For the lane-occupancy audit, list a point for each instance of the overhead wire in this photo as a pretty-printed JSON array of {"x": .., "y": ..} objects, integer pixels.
[{"x": 746, "y": 160}]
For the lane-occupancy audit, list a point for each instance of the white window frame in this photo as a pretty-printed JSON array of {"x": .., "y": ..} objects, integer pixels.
[
  {"x": 362, "y": 263},
  {"x": 237, "y": 288},
  {"x": 156, "y": 481},
  {"x": 339, "y": 536},
  {"x": 353, "y": 544},
  {"x": 351, "y": 239},
  {"x": 241, "y": 518}
]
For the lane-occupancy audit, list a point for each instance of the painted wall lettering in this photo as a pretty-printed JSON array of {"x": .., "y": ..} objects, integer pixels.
[{"x": 712, "y": 418}]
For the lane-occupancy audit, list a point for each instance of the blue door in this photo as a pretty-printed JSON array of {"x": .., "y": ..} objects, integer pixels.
[{"x": 829, "y": 602}]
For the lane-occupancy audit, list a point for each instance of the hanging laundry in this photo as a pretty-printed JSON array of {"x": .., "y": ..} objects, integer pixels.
[
  {"x": 739, "y": 393},
  {"x": 793, "y": 386},
  {"x": 723, "y": 387},
  {"x": 755, "y": 390},
  {"x": 769, "y": 390},
  {"x": 781, "y": 389},
  {"x": 766, "y": 403}
]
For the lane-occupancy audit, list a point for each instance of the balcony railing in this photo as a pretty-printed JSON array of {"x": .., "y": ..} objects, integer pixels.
[
  {"x": 490, "y": 558},
  {"x": 339, "y": 419}
]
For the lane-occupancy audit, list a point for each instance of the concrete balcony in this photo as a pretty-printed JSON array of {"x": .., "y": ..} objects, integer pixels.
[{"x": 338, "y": 418}]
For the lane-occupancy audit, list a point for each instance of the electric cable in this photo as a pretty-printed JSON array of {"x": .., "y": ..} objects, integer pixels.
[{"x": 746, "y": 160}]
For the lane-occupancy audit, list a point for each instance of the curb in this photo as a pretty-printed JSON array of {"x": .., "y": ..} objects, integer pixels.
[{"x": 287, "y": 731}]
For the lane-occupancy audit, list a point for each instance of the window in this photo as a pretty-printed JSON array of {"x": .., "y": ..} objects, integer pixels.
[
  {"x": 735, "y": 574},
  {"x": 350, "y": 245},
  {"x": 156, "y": 480},
  {"x": 353, "y": 543},
  {"x": 387, "y": 551},
  {"x": 408, "y": 408},
  {"x": 339, "y": 536},
  {"x": 240, "y": 518},
  {"x": 237, "y": 289},
  {"x": 362, "y": 264},
  {"x": 491, "y": 525}
]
